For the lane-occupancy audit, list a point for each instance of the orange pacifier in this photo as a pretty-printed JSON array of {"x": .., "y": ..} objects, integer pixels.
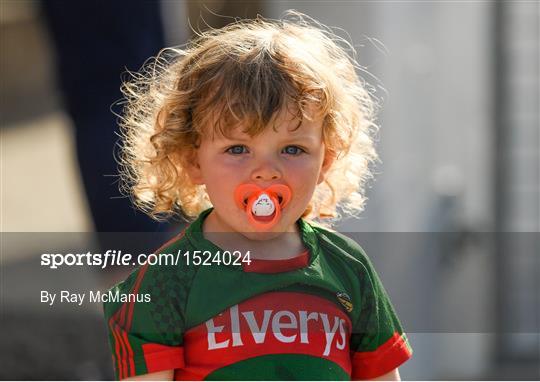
[{"x": 262, "y": 206}]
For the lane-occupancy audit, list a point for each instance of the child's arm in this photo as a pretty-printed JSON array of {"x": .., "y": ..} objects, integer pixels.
[
  {"x": 391, "y": 376},
  {"x": 379, "y": 344},
  {"x": 165, "y": 375},
  {"x": 145, "y": 335}
]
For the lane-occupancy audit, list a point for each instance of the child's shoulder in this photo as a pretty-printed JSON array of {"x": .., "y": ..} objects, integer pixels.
[
  {"x": 165, "y": 268},
  {"x": 339, "y": 245}
]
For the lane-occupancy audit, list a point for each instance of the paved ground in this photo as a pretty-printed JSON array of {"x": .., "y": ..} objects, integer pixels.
[
  {"x": 41, "y": 192},
  {"x": 41, "y": 189}
]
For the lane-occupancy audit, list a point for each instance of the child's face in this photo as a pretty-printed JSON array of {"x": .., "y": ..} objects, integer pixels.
[{"x": 295, "y": 158}]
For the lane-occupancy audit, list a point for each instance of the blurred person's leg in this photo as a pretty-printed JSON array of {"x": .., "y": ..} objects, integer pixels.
[
  {"x": 95, "y": 42},
  {"x": 204, "y": 14}
]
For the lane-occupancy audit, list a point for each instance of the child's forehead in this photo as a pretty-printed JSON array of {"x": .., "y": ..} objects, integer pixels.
[{"x": 286, "y": 122}]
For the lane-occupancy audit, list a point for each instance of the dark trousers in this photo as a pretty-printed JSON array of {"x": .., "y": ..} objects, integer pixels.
[{"x": 95, "y": 42}]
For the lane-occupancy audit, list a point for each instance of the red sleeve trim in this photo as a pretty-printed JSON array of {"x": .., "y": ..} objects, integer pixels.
[
  {"x": 160, "y": 357},
  {"x": 120, "y": 325},
  {"x": 372, "y": 364}
]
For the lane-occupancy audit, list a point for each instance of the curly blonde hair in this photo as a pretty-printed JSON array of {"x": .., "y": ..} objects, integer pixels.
[{"x": 245, "y": 73}]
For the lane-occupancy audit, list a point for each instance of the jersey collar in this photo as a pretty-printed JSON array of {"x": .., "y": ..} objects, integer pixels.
[{"x": 194, "y": 234}]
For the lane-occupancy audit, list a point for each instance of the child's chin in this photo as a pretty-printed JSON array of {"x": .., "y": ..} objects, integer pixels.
[{"x": 261, "y": 235}]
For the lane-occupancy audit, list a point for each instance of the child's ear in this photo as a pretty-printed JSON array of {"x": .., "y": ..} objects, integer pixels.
[
  {"x": 193, "y": 169},
  {"x": 329, "y": 158}
]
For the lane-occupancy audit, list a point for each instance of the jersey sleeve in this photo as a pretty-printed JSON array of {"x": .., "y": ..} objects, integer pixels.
[
  {"x": 378, "y": 343},
  {"x": 145, "y": 324}
]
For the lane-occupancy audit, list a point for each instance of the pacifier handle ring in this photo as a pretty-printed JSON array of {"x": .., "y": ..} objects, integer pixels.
[
  {"x": 251, "y": 193},
  {"x": 257, "y": 224}
]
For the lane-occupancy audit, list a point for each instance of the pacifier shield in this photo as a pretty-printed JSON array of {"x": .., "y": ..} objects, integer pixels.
[{"x": 263, "y": 206}]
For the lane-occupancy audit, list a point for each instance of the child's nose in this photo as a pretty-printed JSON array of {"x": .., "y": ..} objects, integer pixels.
[{"x": 266, "y": 172}]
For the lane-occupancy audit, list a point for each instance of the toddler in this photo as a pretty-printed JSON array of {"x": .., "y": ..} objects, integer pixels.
[{"x": 253, "y": 132}]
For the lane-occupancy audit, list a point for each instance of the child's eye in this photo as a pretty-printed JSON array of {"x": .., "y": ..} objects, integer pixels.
[
  {"x": 293, "y": 150},
  {"x": 237, "y": 150}
]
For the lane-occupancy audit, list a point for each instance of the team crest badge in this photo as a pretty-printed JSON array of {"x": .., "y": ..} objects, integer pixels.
[{"x": 345, "y": 300}]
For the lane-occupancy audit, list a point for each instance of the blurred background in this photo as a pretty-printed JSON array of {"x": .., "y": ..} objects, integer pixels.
[{"x": 453, "y": 218}]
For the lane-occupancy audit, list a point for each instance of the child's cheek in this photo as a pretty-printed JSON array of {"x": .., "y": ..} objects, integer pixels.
[
  {"x": 231, "y": 166},
  {"x": 303, "y": 175},
  {"x": 232, "y": 161},
  {"x": 231, "y": 171},
  {"x": 302, "y": 168}
]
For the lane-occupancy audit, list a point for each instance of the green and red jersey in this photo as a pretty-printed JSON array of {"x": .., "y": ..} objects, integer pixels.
[{"x": 322, "y": 315}]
